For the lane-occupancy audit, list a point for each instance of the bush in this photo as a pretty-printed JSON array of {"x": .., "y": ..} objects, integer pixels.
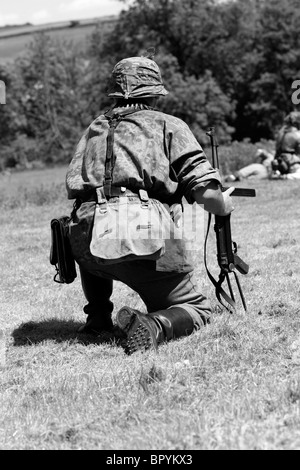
[{"x": 22, "y": 153}]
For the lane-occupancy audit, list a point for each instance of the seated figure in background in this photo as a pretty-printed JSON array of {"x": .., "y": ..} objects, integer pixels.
[
  {"x": 260, "y": 169},
  {"x": 285, "y": 163}
]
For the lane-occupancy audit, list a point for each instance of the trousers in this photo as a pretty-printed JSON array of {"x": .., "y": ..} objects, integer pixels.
[
  {"x": 158, "y": 290},
  {"x": 254, "y": 170}
]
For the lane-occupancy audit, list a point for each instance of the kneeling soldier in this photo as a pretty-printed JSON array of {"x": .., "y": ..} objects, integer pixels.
[{"x": 132, "y": 148}]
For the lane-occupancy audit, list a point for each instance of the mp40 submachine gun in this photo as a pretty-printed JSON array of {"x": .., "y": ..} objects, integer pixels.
[{"x": 228, "y": 260}]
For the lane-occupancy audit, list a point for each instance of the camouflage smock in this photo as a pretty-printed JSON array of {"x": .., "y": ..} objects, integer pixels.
[
  {"x": 288, "y": 147},
  {"x": 153, "y": 151}
]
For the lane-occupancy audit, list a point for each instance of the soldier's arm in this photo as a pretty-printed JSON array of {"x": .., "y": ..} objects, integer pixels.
[{"x": 214, "y": 200}]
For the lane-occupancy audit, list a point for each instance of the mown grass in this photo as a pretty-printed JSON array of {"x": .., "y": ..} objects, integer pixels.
[{"x": 233, "y": 385}]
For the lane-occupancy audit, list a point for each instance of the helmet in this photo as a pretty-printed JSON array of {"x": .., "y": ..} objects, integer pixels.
[
  {"x": 293, "y": 119},
  {"x": 136, "y": 77}
]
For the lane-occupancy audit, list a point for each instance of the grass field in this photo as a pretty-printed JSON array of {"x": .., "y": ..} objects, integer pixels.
[
  {"x": 15, "y": 41},
  {"x": 233, "y": 385}
]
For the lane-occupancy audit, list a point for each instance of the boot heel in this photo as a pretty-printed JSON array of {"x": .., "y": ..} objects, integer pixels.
[{"x": 124, "y": 318}]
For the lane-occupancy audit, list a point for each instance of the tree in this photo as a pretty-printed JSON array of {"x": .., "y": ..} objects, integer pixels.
[
  {"x": 174, "y": 27},
  {"x": 230, "y": 64},
  {"x": 251, "y": 48},
  {"x": 10, "y": 119},
  {"x": 49, "y": 94},
  {"x": 198, "y": 101},
  {"x": 277, "y": 66}
]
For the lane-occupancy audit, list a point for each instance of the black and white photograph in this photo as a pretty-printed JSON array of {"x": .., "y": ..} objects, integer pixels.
[{"x": 149, "y": 242}]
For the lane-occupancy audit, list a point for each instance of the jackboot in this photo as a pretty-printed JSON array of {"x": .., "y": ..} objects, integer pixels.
[
  {"x": 147, "y": 331},
  {"x": 99, "y": 308},
  {"x": 95, "y": 325}
]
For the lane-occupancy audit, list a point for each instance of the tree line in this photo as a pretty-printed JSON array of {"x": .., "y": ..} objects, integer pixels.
[{"x": 230, "y": 64}]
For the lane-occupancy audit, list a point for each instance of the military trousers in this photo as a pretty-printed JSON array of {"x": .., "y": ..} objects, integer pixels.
[
  {"x": 254, "y": 170},
  {"x": 158, "y": 290}
]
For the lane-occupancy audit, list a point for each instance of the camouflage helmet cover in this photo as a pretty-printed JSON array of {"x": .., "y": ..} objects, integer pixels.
[
  {"x": 293, "y": 118},
  {"x": 136, "y": 77}
]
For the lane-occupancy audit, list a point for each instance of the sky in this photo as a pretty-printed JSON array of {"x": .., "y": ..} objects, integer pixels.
[{"x": 49, "y": 11}]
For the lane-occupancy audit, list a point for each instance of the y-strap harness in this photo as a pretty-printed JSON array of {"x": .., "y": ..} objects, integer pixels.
[{"x": 107, "y": 190}]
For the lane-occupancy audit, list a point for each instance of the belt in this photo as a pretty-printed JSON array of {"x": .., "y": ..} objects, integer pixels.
[
  {"x": 121, "y": 191},
  {"x": 117, "y": 191}
]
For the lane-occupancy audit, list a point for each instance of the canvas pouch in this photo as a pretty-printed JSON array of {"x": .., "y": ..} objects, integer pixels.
[{"x": 126, "y": 228}]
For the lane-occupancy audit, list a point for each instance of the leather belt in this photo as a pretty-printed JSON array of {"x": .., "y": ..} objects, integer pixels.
[
  {"x": 116, "y": 191},
  {"x": 121, "y": 191}
]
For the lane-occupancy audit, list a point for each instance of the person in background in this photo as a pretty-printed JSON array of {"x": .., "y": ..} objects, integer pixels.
[
  {"x": 156, "y": 154},
  {"x": 261, "y": 169},
  {"x": 286, "y": 163}
]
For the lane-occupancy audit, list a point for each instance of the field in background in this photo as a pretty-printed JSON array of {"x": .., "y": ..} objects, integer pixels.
[
  {"x": 14, "y": 41},
  {"x": 233, "y": 385}
]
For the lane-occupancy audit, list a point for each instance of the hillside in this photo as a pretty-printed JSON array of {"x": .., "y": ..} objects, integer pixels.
[{"x": 14, "y": 40}]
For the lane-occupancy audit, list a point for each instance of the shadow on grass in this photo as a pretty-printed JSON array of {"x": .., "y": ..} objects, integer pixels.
[{"x": 58, "y": 331}]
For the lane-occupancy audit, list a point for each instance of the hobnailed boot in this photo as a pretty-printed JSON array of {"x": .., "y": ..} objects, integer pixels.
[{"x": 145, "y": 331}]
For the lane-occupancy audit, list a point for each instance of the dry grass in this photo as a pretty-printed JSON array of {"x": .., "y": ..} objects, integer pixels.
[{"x": 233, "y": 385}]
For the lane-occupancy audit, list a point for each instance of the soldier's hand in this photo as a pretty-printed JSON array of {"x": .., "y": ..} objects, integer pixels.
[{"x": 228, "y": 201}]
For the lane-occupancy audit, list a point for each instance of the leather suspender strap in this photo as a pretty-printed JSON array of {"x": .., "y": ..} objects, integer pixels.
[
  {"x": 113, "y": 120},
  {"x": 110, "y": 160}
]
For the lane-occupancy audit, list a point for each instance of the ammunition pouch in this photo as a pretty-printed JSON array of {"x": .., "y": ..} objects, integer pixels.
[{"x": 60, "y": 252}]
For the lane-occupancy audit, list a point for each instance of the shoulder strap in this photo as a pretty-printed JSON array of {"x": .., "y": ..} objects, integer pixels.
[
  {"x": 110, "y": 160},
  {"x": 113, "y": 117}
]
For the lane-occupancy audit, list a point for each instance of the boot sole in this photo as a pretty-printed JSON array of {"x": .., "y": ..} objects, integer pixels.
[{"x": 139, "y": 334}]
